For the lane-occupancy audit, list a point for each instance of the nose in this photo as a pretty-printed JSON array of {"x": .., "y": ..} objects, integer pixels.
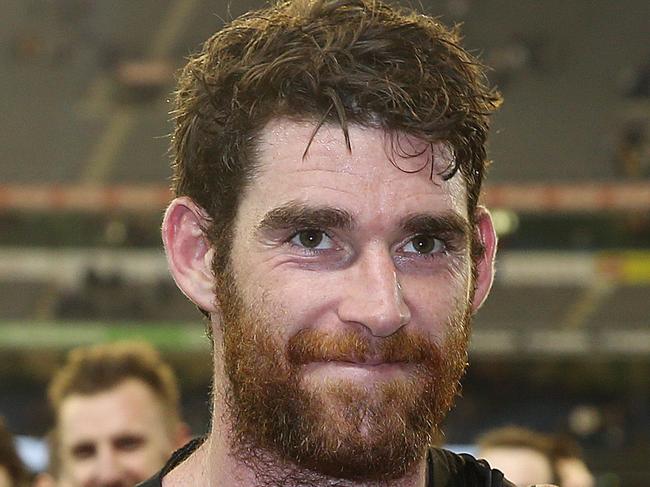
[
  {"x": 372, "y": 295},
  {"x": 108, "y": 471}
]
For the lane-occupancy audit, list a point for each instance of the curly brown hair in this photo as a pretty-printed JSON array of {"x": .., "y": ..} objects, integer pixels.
[{"x": 331, "y": 61}]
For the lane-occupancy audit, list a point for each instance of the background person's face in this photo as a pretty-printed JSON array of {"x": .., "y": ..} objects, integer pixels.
[
  {"x": 573, "y": 472},
  {"x": 522, "y": 466},
  {"x": 348, "y": 299},
  {"x": 115, "y": 438},
  {"x": 5, "y": 479}
]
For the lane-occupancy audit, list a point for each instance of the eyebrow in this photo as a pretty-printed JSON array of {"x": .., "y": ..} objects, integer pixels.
[
  {"x": 299, "y": 215},
  {"x": 450, "y": 223}
]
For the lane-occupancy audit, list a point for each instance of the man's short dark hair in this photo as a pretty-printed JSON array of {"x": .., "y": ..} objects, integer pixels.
[
  {"x": 99, "y": 368},
  {"x": 342, "y": 61}
]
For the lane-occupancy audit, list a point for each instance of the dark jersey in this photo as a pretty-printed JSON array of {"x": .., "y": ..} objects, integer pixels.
[{"x": 445, "y": 469}]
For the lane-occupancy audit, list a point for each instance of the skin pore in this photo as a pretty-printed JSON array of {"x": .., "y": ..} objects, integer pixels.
[{"x": 340, "y": 326}]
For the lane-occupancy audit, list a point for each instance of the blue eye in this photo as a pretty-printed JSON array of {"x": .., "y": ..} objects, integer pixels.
[
  {"x": 312, "y": 239},
  {"x": 424, "y": 245}
]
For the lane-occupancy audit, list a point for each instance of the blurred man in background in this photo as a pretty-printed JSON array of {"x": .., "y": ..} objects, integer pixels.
[
  {"x": 524, "y": 456},
  {"x": 12, "y": 470},
  {"x": 117, "y": 416},
  {"x": 530, "y": 457},
  {"x": 329, "y": 158},
  {"x": 570, "y": 465}
]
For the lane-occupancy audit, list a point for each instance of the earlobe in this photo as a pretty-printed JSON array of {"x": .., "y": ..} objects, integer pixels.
[
  {"x": 485, "y": 264},
  {"x": 189, "y": 253}
]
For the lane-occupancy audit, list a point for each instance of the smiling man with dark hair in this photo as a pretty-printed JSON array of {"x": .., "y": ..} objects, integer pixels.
[
  {"x": 117, "y": 418},
  {"x": 329, "y": 157}
]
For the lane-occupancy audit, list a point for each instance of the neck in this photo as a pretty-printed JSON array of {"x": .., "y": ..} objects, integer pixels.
[{"x": 221, "y": 462}]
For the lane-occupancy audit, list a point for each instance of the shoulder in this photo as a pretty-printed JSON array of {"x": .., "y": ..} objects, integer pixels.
[{"x": 448, "y": 469}]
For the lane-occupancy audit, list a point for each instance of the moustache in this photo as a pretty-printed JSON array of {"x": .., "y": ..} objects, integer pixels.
[{"x": 310, "y": 346}]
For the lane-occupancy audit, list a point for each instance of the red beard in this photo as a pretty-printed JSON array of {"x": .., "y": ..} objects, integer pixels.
[{"x": 341, "y": 428}]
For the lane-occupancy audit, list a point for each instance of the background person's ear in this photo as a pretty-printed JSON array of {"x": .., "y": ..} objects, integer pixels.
[
  {"x": 485, "y": 265},
  {"x": 189, "y": 253}
]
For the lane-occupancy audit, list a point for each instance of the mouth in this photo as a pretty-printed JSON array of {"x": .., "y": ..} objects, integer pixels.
[
  {"x": 369, "y": 362},
  {"x": 355, "y": 368}
]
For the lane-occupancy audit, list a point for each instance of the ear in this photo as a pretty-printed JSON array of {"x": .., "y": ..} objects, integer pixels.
[
  {"x": 485, "y": 264},
  {"x": 189, "y": 253}
]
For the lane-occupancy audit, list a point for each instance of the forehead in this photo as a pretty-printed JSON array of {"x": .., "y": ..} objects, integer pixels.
[
  {"x": 130, "y": 404},
  {"x": 380, "y": 169}
]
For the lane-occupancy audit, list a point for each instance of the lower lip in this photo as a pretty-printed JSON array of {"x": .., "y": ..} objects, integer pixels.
[{"x": 352, "y": 369}]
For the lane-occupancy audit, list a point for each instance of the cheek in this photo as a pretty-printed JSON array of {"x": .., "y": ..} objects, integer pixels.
[
  {"x": 144, "y": 460},
  {"x": 296, "y": 299},
  {"x": 432, "y": 301},
  {"x": 80, "y": 471}
]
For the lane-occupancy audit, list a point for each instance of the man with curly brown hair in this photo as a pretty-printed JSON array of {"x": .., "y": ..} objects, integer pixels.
[{"x": 329, "y": 156}]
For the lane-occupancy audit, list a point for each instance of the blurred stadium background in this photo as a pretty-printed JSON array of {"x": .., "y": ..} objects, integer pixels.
[{"x": 563, "y": 344}]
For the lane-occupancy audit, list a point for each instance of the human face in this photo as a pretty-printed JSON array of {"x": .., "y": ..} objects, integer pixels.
[
  {"x": 5, "y": 479},
  {"x": 573, "y": 472},
  {"x": 522, "y": 466},
  {"x": 115, "y": 438},
  {"x": 346, "y": 302}
]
